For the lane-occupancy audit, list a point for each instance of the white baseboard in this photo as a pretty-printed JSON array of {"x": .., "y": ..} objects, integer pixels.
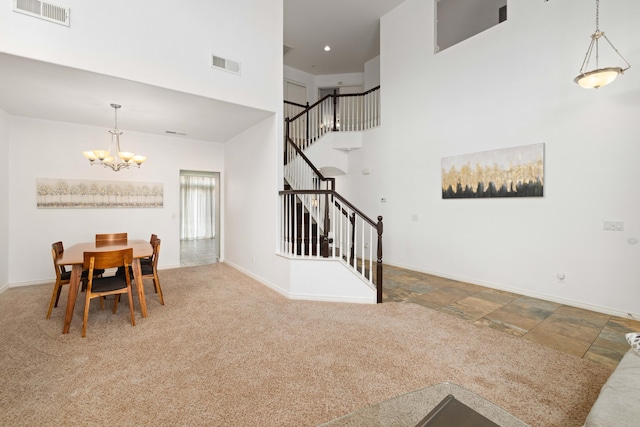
[
  {"x": 33, "y": 283},
  {"x": 259, "y": 279},
  {"x": 329, "y": 298},
  {"x": 168, "y": 267}
]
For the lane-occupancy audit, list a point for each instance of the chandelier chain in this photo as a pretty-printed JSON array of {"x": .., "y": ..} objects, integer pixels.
[
  {"x": 115, "y": 109},
  {"x": 597, "y": 16}
]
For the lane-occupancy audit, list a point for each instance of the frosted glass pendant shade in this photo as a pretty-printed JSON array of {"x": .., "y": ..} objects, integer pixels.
[{"x": 597, "y": 78}]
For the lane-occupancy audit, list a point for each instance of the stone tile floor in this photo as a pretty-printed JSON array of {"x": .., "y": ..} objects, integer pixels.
[
  {"x": 198, "y": 252},
  {"x": 590, "y": 335}
]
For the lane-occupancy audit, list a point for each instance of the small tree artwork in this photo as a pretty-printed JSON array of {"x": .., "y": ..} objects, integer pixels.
[
  {"x": 506, "y": 172},
  {"x": 55, "y": 193}
]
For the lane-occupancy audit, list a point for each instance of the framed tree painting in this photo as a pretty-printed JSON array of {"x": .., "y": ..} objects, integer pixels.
[{"x": 506, "y": 172}]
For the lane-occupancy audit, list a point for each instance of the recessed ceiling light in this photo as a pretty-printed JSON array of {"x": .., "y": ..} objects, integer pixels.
[{"x": 327, "y": 48}]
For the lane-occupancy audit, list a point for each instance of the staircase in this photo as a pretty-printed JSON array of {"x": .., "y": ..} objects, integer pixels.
[{"x": 317, "y": 222}]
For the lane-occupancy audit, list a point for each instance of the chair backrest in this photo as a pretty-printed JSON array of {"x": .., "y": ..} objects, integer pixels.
[
  {"x": 56, "y": 251},
  {"x": 108, "y": 259},
  {"x": 111, "y": 239},
  {"x": 156, "y": 252},
  {"x": 154, "y": 237}
]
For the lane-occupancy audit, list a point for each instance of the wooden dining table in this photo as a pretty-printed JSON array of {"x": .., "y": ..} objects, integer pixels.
[{"x": 74, "y": 256}]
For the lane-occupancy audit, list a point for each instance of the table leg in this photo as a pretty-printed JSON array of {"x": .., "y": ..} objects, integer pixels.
[
  {"x": 74, "y": 284},
  {"x": 137, "y": 276}
]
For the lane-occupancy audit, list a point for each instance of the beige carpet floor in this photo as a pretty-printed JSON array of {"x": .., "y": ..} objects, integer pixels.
[{"x": 227, "y": 351}]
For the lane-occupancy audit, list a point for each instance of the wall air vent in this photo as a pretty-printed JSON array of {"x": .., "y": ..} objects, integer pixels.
[
  {"x": 43, "y": 10},
  {"x": 225, "y": 64}
]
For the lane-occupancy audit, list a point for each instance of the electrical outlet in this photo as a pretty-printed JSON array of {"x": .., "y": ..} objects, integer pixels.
[{"x": 613, "y": 225}]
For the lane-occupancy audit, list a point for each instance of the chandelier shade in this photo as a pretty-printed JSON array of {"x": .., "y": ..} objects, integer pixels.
[
  {"x": 114, "y": 157},
  {"x": 598, "y": 77}
]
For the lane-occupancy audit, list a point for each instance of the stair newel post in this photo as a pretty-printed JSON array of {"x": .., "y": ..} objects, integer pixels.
[
  {"x": 286, "y": 140},
  {"x": 326, "y": 225},
  {"x": 379, "y": 261},
  {"x": 352, "y": 219},
  {"x": 335, "y": 110},
  {"x": 307, "y": 130}
]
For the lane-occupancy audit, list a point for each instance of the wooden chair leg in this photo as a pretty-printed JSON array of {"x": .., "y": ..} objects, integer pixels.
[
  {"x": 58, "y": 295},
  {"x": 54, "y": 298},
  {"x": 156, "y": 284},
  {"x": 133, "y": 318},
  {"x": 115, "y": 303},
  {"x": 86, "y": 315}
]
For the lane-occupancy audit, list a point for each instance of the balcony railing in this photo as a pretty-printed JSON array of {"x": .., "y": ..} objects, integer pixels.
[{"x": 333, "y": 113}]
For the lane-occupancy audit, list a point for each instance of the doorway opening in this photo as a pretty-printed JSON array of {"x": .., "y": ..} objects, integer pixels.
[{"x": 199, "y": 218}]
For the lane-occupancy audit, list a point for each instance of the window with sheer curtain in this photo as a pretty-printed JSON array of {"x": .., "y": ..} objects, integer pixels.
[{"x": 197, "y": 194}]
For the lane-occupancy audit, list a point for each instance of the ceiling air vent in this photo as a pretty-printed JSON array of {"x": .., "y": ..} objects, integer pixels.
[
  {"x": 43, "y": 10},
  {"x": 225, "y": 64}
]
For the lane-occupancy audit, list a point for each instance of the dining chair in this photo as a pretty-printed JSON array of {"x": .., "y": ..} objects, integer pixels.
[
  {"x": 149, "y": 260},
  {"x": 111, "y": 239},
  {"x": 150, "y": 271},
  {"x": 63, "y": 277},
  {"x": 98, "y": 287}
]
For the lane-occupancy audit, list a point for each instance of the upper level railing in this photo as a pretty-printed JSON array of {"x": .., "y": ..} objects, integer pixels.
[{"x": 333, "y": 113}]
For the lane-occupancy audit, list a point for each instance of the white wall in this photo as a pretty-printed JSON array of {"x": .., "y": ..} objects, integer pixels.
[
  {"x": 167, "y": 45},
  {"x": 4, "y": 201},
  {"x": 252, "y": 203},
  {"x": 510, "y": 85},
  {"x": 306, "y": 79},
  {"x": 349, "y": 80},
  {"x": 328, "y": 280},
  {"x": 372, "y": 73},
  {"x": 48, "y": 149}
]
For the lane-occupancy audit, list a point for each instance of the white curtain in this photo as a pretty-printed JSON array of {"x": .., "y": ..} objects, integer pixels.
[{"x": 197, "y": 194}]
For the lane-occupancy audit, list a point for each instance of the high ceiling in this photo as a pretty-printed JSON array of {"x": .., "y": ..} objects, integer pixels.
[
  {"x": 52, "y": 92},
  {"x": 350, "y": 27}
]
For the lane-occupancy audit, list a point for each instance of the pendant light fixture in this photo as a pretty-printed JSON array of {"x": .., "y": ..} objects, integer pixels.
[
  {"x": 119, "y": 159},
  {"x": 599, "y": 76}
]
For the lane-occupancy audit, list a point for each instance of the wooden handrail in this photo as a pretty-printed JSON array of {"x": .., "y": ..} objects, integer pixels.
[
  {"x": 296, "y": 104},
  {"x": 331, "y": 95},
  {"x": 299, "y": 152},
  {"x": 334, "y": 194}
]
